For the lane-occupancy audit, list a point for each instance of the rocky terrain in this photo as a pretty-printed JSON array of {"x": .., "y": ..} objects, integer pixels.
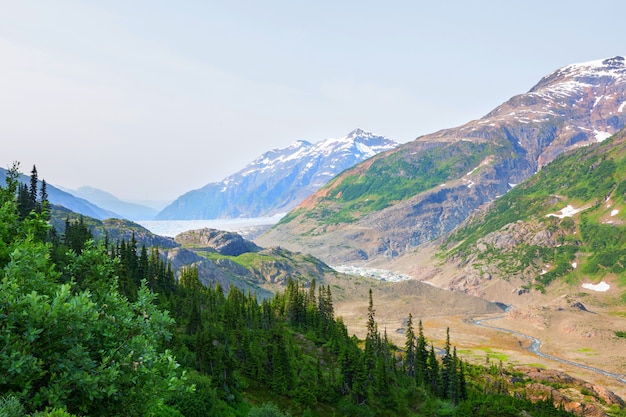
[{"x": 226, "y": 243}]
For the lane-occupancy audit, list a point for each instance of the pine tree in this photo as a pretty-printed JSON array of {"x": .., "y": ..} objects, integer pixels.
[
  {"x": 409, "y": 348},
  {"x": 421, "y": 356},
  {"x": 43, "y": 193},
  {"x": 433, "y": 372},
  {"x": 447, "y": 369},
  {"x": 371, "y": 341},
  {"x": 32, "y": 191},
  {"x": 24, "y": 206},
  {"x": 372, "y": 331}
]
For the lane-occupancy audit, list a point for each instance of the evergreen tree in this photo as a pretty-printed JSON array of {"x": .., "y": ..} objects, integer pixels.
[
  {"x": 32, "y": 191},
  {"x": 409, "y": 348},
  {"x": 24, "y": 203},
  {"x": 44, "y": 204},
  {"x": 371, "y": 341},
  {"x": 421, "y": 356},
  {"x": 433, "y": 376},
  {"x": 447, "y": 369}
]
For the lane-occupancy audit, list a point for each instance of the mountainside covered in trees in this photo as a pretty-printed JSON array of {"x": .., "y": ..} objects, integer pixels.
[
  {"x": 278, "y": 180},
  {"x": 394, "y": 202},
  {"x": 104, "y": 329}
]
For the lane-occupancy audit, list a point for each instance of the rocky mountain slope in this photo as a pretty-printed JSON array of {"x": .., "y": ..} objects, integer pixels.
[
  {"x": 278, "y": 180},
  {"x": 566, "y": 222},
  {"x": 394, "y": 202}
]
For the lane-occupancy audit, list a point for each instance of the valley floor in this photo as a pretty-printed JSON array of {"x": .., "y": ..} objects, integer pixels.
[{"x": 581, "y": 335}]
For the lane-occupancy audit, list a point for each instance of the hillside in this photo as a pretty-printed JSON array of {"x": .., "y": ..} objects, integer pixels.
[
  {"x": 553, "y": 249},
  {"x": 564, "y": 223},
  {"x": 108, "y": 201},
  {"x": 67, "y": 200},
  {"x": 220, "y": 257},
  {"x": 99, "y": 329},
  {"x": 394, "y": 202},
  {"x": 278, "y": 180}
]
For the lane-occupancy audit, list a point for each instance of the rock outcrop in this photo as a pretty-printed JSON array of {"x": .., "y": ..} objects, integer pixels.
[{"x": 226, "y": 243}]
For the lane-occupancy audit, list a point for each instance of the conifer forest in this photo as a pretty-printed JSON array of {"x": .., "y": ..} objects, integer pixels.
[{"x": 93, "y": 327}]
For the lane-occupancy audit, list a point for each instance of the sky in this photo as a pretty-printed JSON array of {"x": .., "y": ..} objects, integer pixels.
[{"x": 149, "y": 99}]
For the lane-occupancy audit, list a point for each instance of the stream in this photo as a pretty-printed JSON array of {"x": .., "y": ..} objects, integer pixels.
[{"x": 536, "y": 344}]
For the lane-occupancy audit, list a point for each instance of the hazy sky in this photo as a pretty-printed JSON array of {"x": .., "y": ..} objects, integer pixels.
[{"x": 150, "y": 99}]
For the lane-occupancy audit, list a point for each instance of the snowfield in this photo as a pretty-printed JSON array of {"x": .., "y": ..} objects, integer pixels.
[{"x": 601, "y": 287}]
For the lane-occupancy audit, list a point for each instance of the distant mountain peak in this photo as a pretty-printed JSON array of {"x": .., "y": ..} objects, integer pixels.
[
  {"x": 358, "y": 132},
  {"x": 278, "y": 180}
]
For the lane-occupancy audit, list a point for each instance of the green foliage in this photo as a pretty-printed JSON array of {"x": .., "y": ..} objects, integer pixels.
[
  {"x": 398, "y": 177},
  {"x": 56, "y": 412},
  {"x": 75, "y": 350},
  {"x": 267, "y": 410},
  {"x": 10, "y": 406},
  {"x": 582, "y": 179},
  {"x": 200, "y": 399},
  {"x": 84, "y": 330}
]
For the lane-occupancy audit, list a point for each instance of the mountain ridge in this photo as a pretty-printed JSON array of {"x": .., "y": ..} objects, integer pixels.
[
  {"x": 108, "y": 201},
  {"x": 425, "y": 188},
  {"x": 278, "y": 180},
  {"x": 58, "y": 196}
]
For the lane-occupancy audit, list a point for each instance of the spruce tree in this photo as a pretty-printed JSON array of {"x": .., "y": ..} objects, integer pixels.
[
  {"x": 447, "y": 370},
  {"x": 409, "y": 348},
  {"x": 33, "y": 188},
  {"x": 421, "y": 356}
]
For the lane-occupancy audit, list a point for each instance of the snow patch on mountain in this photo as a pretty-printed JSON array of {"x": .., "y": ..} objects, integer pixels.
[
  {"x": 602, "y": 136},
  {"x": 568, "y": 211},
  {"x": 601, "y": 287}
]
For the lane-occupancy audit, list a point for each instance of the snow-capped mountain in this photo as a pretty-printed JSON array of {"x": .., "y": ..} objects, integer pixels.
[
  {"x": 278, "y": 180},
  {"x": 436, "y": 181},
  {"x": 574, "y": 106}
]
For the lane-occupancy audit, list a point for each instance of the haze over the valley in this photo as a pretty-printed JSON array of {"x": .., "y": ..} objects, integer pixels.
[{"x": 148, "y": 101}]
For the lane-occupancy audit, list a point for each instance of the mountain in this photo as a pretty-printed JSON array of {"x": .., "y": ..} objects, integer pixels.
[
  {"x": 394, "y": 202},
  {"x": 566, "y": 222},
  {"x": 113, "y": 229},
  {"x": 62, "y": 198},
  {"x": 110, "y": 202},
  {"x": 278, "y": 180}
]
